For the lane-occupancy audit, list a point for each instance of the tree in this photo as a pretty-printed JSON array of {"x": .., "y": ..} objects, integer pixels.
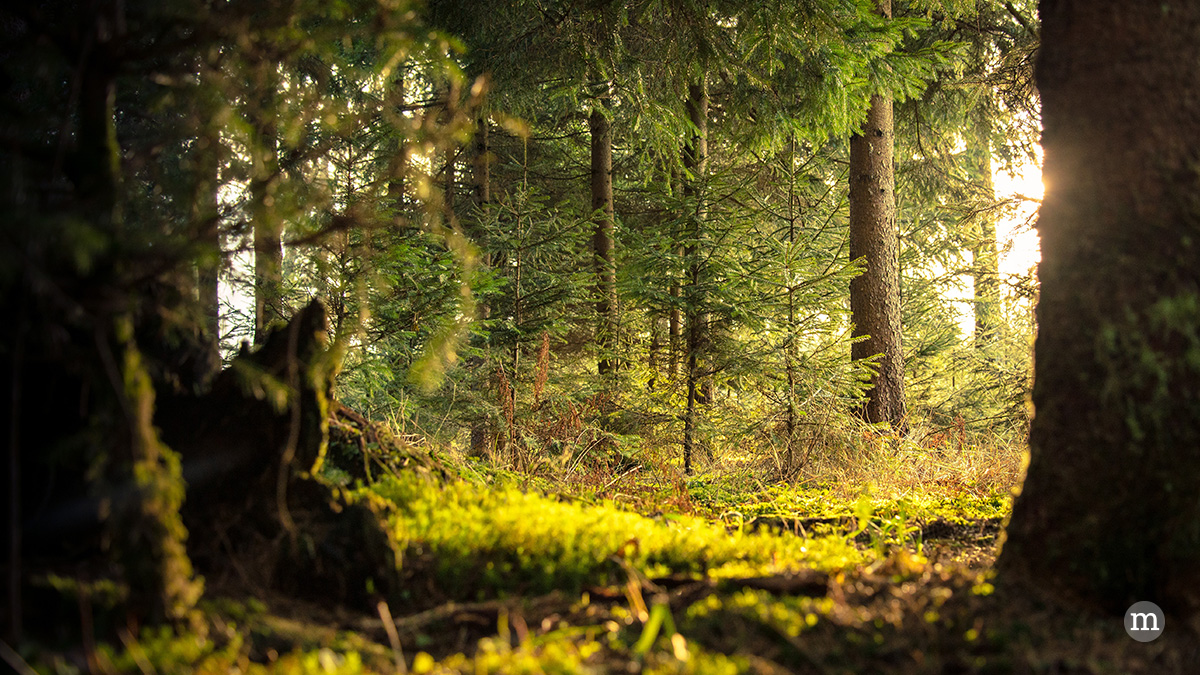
[
  {"x": 602, "y": 237},
  {"x": 1110, "y": 510},
  {"x": 875, "y": 296},
  {"x": 695, "y": 164}
]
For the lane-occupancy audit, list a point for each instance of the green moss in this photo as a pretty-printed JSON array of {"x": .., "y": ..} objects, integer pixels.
[{"x": 482, "y": 541}]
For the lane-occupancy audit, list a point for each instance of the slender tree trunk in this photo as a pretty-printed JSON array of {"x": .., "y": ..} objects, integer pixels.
[
  {"x": 875, "y": 294},
  {"x": 481, "y": 184},
  {"x": 602, "y": 240},
  {"x": 397, "y": 166},
  {"x": 481, "y": 164},
  {"x": 1110, "y": 510},
  {"x": 206, "y": 215},
  {"x": 675, "y": 317},
  {"x": 789, "y": 347},
  {"x": 986, "y": 261},
  {"x": 654, "y": 353},
  {"x": 695, "y": 162},
  {"x": 268, "y": 234},
  {"x": 449, "y": 169}
]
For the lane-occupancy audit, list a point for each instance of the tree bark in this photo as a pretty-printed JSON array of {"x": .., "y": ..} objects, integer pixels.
[
  {"x": 875, "y": 294},
  {"x": 695, "y": 163},
  {"x": 1110, "y": 508},
  {"x": 602, "y": 240}
]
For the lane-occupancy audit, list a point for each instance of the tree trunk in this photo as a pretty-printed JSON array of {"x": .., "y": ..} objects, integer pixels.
[
  {"x": 985, "y": 266},
  {"x": 875, "y": 294},
  {"x": 695, "y": 162},
  {"x": 481, "y": 178},
  {"x": 602, "y": 240},
  {"x": 268, "y": 237},
  {"x": 449, "y": 169},
  {"x": 1110, "y": 510},
  {"x": 789, "y": 346},
  {"x": 654, "y": 353},
  {"x": 268, "y": 227},
  {"x": 481, "y": 168},
  {"x": 397, "y": 166},
  {"x": 675, "y": 318},
  {"x": 206, "y": 216},
  {"x": 146, "y": 532}
]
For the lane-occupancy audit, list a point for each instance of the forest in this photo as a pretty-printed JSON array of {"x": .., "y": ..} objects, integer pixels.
[{"x": 588, "y": 336}]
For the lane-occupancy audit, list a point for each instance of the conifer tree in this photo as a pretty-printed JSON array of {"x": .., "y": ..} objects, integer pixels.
[{"x": 875, "y": 295}]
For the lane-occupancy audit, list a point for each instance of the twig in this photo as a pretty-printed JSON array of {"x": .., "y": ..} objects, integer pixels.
[
  {"x": 14, "y": 660},
  {"x": 385, "y": 615}
]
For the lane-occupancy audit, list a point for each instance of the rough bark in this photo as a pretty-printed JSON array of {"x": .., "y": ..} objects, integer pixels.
[
  {"x": 1110, "y": 510},
  {"x": 695, "y": 163},
  {"x": 875, "y": 294},
  {"x": 602, "y": 241}
]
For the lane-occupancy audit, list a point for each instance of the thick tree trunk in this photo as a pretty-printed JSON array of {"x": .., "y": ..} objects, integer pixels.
[
  {"x": 875, "y": 295},
  {"x": 1110, "y": 510},
  {"x": 146, "y": 531},
  {"x": 602, "y": 241},
  {"x": 695, "y": 163},
  {"x": 985, "y": 266}
]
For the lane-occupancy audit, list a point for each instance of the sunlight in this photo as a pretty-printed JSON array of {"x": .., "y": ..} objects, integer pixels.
[{"x": 1018, "y": 241}]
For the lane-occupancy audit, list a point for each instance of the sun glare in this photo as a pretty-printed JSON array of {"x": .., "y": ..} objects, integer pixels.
[{"x": 1017, "y": 239}]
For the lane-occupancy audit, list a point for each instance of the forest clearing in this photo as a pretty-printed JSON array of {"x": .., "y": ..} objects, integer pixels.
[{"x": 574, "y": 336}]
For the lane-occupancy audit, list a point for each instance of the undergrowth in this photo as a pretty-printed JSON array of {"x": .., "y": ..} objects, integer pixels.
[{"x": 577, "y": 566}]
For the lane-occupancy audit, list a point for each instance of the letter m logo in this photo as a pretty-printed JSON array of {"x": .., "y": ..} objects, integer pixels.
[{"x": 1143, "y": 621}]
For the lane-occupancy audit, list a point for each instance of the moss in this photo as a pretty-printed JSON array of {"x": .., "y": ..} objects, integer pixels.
[
  {"x": 505, "y": 540},
  {"x": 152, "y": 536}
]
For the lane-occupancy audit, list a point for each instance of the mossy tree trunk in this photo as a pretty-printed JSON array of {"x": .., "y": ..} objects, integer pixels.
[
  {"x": 875, "y": 294},
  {"x": 1110, "y": 510},
  {"x": 145, "y": 530}
]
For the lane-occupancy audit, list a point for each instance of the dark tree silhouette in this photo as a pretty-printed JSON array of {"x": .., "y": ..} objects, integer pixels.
[{"x": 1110, "y": 510}]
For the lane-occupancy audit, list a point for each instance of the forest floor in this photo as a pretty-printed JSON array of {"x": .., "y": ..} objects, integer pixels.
[{"x": 648, "y": 571}]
